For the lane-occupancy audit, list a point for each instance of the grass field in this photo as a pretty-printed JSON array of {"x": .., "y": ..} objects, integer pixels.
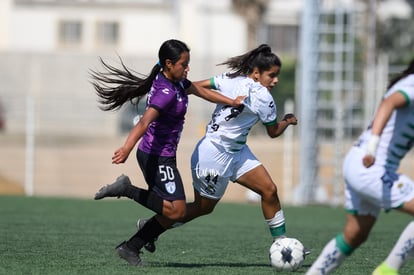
[{"x": 76, "y": 236}]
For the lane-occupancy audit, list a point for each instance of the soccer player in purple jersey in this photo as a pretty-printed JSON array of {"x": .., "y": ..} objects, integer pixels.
[{"x": 167, "y": 89}]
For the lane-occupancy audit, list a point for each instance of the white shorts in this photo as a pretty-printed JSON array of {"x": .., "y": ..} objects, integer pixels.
[
  {"x": 212, "y": 168},
  {"x": 368, "y": 190}
]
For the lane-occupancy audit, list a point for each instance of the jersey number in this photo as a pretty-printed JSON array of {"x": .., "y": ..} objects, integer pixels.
[
  {"x": 166, "y": 172},
  {"x": 234, "y": 112}
]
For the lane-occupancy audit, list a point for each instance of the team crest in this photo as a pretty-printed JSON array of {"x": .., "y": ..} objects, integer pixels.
[
  {"x": 170, "y": 187},
  {"x": 404, "y": 188}
]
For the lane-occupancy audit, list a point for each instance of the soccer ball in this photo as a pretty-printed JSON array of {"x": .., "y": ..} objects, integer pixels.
[{"x": 286, "y": 254}]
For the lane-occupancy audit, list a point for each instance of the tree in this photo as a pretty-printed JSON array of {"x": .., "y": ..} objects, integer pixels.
[{"x": 395, "y": 36}]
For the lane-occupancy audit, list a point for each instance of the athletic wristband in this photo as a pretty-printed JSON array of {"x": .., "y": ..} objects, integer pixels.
[{"x": 373, "y": 145}]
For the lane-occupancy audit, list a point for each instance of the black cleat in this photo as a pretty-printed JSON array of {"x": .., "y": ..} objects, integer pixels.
[
  {"x": 116, "y": 189},
  {"x": 306, "y": 251},
  {"x": 149, "y": 246},
  {"x": 128, "y": 255}
]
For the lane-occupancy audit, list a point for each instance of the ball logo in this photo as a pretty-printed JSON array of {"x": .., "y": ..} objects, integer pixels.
[{"x": 170, "y": 187}]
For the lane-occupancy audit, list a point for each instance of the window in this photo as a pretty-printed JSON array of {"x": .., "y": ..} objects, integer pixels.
[
  {"x": 70, "y": 33},
  {"x": 107, "y": 33}
]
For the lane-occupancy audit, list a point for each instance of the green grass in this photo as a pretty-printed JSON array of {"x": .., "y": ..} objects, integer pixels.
[{"x": 75, "y": 236}]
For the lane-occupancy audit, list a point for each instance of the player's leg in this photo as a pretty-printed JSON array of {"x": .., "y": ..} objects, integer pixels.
[
  {"x": 148, "y": 232},
  {"x": 361, "y": 217},
  {"x": 403, "y": 249},
  {"x": 160, "y": 173},
  {"x": 249, "y": 172},
  {"x": 259, "y": 181},
  {"x": 210, "y": 175},
  {"x": 165, "y": 178},
  {"x": 209, "y": 185},
  {"x": 199, "y": 207},
  {"x": 356, "y": 231},
  {"x": 122, "y": 187}
]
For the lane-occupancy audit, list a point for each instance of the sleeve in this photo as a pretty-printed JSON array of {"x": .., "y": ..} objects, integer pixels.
[
  {"x": 186, "y": 83},
  {"x": 219, "y": 82},
  {"x": 405, "y": 87},
  {"x": 266, "y": 108},
  {"x": 161, "y": 98},
  {"x": 408, "y": 92}
]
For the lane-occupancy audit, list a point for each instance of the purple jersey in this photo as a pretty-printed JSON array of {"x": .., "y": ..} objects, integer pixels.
[{"x": 171, "y": 100}]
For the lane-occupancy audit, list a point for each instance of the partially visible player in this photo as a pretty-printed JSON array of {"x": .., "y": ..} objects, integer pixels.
[
  {"x": 223, "y": 155},
  {"x": 372, "y": 182}
]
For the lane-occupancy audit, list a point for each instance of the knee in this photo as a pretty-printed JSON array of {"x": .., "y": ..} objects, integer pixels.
[
  {"x": 175, "y": 212},
  {"x": 269, "y": 193},
  {"x": 175, "y": 215}
]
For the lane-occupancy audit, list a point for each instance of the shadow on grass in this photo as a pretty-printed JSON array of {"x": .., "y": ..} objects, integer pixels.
[{"x": 199, "y": 265}]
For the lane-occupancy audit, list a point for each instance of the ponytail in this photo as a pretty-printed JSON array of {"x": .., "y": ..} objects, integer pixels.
[
  {"x": 261, "y": 58},
  {"x": 116, "y": 86},
  {"x": 409, "y": 70}
]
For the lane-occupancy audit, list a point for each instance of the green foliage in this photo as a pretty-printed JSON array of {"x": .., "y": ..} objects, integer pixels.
[
  {"x": 396, "y": 38},
  {"x": 74, "y": 236},
  {"x": 285, "y": 89}
]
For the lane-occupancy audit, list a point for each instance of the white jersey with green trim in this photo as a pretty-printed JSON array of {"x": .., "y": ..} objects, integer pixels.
[
  {"x": 230, "y": 126},
  {"x": 397, "y": 138}
]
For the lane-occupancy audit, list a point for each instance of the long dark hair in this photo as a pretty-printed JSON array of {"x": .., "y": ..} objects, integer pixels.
[
  {"x": 261, "y": 58},
  {"x": 116, "y": 86},
  {"x": 409, "y": 70}
]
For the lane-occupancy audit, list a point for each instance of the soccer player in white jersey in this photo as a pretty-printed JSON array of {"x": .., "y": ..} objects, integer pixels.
[
  {"x": 222, "y": 154},
  {"x": 372, "y": 182}
]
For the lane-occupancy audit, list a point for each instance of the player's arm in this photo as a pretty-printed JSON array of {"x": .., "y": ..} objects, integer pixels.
[
  {"x": 122, "y": 153},
  {"x": 385, "y": 109},
  {"x": 201, "y": 90},
  {"x": 206, "y": 83},
  {"x": 277, "y": 129}
]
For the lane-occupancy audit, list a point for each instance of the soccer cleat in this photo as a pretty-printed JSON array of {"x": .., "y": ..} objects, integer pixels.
[
  {"x": 116, "y": 189},
  {"x": 149, "y": 246},
  {"x": 384, "y": 269},
  {"x": 128, "y": 255}
]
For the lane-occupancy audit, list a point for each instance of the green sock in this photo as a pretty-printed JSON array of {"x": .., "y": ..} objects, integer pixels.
[
  {"x": 342, "y": 245},
  {"x": 278, "y": 231}
]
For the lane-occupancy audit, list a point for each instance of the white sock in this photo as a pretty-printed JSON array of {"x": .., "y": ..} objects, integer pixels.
[
  {"x": 277, "y": 225},
  {"x": 403, "y": 249},
  {"x": 329, "y": 259}
]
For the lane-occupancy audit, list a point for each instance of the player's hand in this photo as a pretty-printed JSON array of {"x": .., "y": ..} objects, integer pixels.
[
  {"x": 120, "y": 155},
  {"x": 368, "y": 160},
  {"x": 238, "y": 101},
  {"x": 290, "y": 118}
]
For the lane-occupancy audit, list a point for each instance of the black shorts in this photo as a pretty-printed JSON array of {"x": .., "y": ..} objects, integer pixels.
[{"x": 161, "y": 175}]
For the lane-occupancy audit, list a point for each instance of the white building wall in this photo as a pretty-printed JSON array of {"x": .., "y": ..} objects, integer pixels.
[
  {"x": 32, "y": 30},
  {"x": 57, "y": 77},
  {"x": 4, "y": 23},
  {"x": 209, "y": 28}
]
